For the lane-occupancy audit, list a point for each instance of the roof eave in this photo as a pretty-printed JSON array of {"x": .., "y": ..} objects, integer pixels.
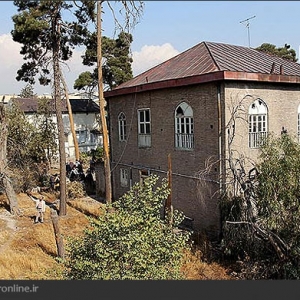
[
  {"x": 204, "y": 78},
  {"x": 260, "y": 77},
  {"x": 215, "y": 76}
]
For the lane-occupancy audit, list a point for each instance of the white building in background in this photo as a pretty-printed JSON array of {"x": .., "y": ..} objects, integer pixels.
[{"x": 86, "y": 122}]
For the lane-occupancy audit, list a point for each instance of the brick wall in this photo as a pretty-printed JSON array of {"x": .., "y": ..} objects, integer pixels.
[
  {"x": 282, "y": 102},
  {"x": 194, "y": 191},
  {"x": 189, "y": 194}
]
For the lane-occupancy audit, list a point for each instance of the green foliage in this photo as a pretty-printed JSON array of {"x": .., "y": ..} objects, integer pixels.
[
  {"x": 85, "y": 79},
  {"x": 130, "y": 241},
  {"x": 20, "y": 133},
  {"x": 29, "y": 141},
  {"x": 34, "y": 28},
  {"x": 97, "y": 153},
  {"x": 117, "y": 62},
  {"x": 284, "y": 52},
  {"x": 27, "y": 92},
  {"x": 28, "y": 146},
  {"x": 273, "y": 241},
  {"x": 279, "y": 190}
]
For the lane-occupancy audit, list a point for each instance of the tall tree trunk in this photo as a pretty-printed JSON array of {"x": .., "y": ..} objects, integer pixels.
[
  {"x": 4, "y": 179},
  {"x": 72, "y": 127},
  {"x": 108, "y": 193},
  {"x": 60, "y": 124}
]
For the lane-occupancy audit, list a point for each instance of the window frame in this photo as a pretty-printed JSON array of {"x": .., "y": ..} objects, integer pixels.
[
  {"x": 81, "y": 135},
  {"x": 144, "y": 128},
  {"x": 124, "y": 177},
  {"x": 184, "y": 127},
  {"x": 257, "y": 123},
  {"x": 144, "y": 174},
  {"x": 122, "y": 127}
]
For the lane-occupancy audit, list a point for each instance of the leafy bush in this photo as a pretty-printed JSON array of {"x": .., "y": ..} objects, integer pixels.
[
  {"x": 271, "y": 240},
  {"x": 130, "y": 240}
]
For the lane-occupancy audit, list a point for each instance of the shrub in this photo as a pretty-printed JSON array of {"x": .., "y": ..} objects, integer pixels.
[{"x": 130, "y": 240}]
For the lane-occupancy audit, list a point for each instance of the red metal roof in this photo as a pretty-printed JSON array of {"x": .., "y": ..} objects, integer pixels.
[{"x": 210, "y": 61}]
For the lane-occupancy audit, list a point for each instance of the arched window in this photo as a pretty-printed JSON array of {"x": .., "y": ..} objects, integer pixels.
[
  {"x": 184, "y": 126},
  {"x": 258, "y": 123},
  {"x": 122, "y": 127}
]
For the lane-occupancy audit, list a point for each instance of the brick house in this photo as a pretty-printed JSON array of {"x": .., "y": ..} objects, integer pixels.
[
  {"x": 85, "y": 117},
  {"x": 210, "y": 101}
]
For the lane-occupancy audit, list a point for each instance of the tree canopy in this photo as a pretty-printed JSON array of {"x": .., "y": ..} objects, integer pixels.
[
  {"x": 116, "y": 62},
  {"x": 285, "y": 52},
  {"x": 27, "y": 92},
  {"x": 33, "y": 28}
]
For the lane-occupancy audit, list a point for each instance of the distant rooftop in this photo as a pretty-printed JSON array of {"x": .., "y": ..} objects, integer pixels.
[{"x": 29, "y": 105}]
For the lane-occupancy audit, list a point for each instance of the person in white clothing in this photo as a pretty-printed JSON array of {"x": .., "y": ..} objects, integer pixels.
[{"x": 40, "y": 206}]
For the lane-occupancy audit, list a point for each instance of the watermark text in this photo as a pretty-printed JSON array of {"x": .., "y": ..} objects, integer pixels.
[{"x": 16, "y": 288}]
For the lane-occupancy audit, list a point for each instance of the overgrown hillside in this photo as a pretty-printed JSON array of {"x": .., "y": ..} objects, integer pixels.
[{"x": 28, "y": 250}]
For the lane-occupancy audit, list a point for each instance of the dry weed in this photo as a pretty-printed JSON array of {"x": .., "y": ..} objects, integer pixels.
[
  {"x": 75, "y": 190},
  {"x": 87, "y": 207},
  {"x": 30, "y": 251},
  {"x": 194, "y": 268}
]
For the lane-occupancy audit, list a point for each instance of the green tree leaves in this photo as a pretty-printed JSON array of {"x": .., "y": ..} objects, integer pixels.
[
  {"x": 284, "y": 52},
  {"x": 271, "y": 242},
  {"x": 278, "y": 189},
  {"x": 27, "y": 92},
  {"x": 116, "y": 62},
  {"x": 33, "y": 28},
  {"x": 130, "y": 241}
]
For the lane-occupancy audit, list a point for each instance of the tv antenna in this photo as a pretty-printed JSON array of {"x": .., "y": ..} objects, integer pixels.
[{"x": 247, "y": 24}]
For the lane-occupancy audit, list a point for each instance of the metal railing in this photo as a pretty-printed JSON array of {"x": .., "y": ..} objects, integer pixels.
[
  {"x": 256, "y": 139},
  {"x": 184, "y": 141}
]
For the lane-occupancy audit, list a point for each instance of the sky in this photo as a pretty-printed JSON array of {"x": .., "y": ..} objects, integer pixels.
[{"x": 166, "y": 29}]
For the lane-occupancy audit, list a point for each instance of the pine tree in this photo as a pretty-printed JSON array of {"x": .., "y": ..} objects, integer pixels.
[
  {"x": 117, "y": 62},
  {"x": 47, "y": 40}
]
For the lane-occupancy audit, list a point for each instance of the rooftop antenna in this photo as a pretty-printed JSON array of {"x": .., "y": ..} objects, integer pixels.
[{"x": 247, "y": 24}]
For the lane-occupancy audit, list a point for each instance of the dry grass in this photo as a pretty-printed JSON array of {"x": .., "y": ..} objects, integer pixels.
[
  {"x": 28, "y": 250},
  {"x": 194, "y": 268},
  {"x": 85, "y": 207}
]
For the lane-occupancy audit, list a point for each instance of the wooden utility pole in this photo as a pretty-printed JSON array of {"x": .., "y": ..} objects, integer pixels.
[
  {"x": 108, "y": 193},
  {"x": 72, "y": 127},
  {"x": 168, "y": 204}
]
